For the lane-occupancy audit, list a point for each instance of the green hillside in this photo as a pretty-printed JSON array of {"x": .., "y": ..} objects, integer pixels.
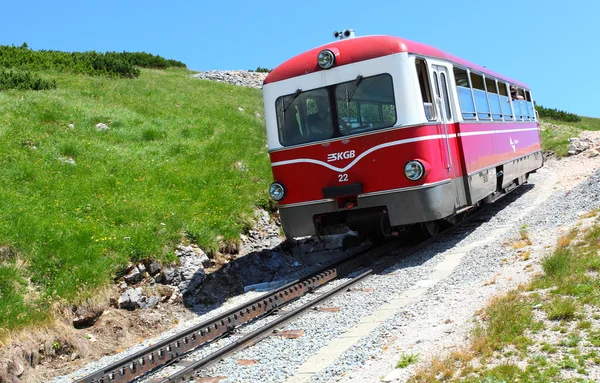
[{"x": 179, "y": 162}]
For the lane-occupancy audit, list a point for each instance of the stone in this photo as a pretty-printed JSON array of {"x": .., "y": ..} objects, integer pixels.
[
  {"x": 87, "y": 319},
  {"x": 153, "y": 268},
  {"x": 67, "y": 160},
  {"x": 291, "y": 334},
  {"x": 130, "y": 299},
  {"x": 101, "y": 127},
  {"x": 193, "y": 280},
  {"x": 328, "y": 309},
  {"x": 246, "y": 362},
  {"x": 18, "y": 368},
  {"x": 593, "y": 153},
  {"x": 134, "y": 276},
  {"x": 71, "y": 126},
  {"x": 141, "y": 268},
  {"x": 241, "y": 110},
  {"x": 210, "y": 379},
  {"x": 168, "y": 275},
  {"x": 91, "y": 338},
  {"x": 184, "y": 251},
  {"x": 149, "y": 303}
]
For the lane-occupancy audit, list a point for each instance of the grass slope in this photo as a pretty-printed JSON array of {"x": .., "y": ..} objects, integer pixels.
[
  {"x": 179, "y": 162},
  {"x": 556, "y": 136}
]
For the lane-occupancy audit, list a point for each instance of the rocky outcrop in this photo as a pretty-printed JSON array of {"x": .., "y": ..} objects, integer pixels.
[
  {"x": 584, "y": 144},
  {"x": 235, "y": 77}
]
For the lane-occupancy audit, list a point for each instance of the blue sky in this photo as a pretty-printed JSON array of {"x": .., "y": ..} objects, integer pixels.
[{"x": 551, "y": 45}]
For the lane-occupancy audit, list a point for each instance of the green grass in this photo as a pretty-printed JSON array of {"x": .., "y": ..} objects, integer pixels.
[
  {"x": 406, "y": 360},
  {"x": 556, "y": 138},
  {"x": 79, "y": 204},
  {"x": 569, "y": 283}
]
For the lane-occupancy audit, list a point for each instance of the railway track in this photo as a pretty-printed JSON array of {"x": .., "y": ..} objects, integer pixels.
[{"x": 171, "y": 350}]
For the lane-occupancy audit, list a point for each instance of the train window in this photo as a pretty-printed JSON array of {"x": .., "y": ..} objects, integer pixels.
[
  {"x": 481, "y": 100},
  {"x": 517, "y": 108},
  {"x": 365, "y": 104},
  {"x": 492, "y": 89},
  {"x": 304, "y": 117},
  {"x": 446, "y": 96},
  {"x": 505, "y": 101},
  {"x": 524, "y": 109},
  {"x": 529, "y": 99},
  {"x": 465, "y": 97},
  {"x": 423, "y": 76}
]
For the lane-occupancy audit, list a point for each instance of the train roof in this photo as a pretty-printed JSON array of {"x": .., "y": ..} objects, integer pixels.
[{"x": 368, "y": 47}]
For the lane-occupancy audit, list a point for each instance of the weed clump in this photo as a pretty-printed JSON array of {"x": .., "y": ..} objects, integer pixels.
[{"x": 10, "y": 79}]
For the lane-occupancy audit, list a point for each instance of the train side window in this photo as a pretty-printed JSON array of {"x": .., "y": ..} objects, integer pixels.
[
  {"x": 465, "y": 97},
  {"x": 517, "y": 108},
  {"x": 492, "y": 92},
  {"x": 524, "y": 106},
  {"x": 447, "y": 96},
  {"x": 423, "y": 76},
  {"x": 505, "y": 101},
  {"x": 481, "y": 100},
  {"x": 530, "y": 105}
]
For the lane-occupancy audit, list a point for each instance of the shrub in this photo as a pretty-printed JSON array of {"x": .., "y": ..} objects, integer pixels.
[
  {"x": 261, "y": 70},
  {"x": 23, "y": 81},
  {"x": 112, "y": 64},
  {"x": 556, "y": 114}
]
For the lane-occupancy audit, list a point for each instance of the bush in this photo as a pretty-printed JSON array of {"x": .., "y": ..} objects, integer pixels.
[
  {"x": 556, "y": 114},
  {"x": 261, "y": 70},
  {"x": 112, "y": 64},
  {"x": 23, "y": 81}
]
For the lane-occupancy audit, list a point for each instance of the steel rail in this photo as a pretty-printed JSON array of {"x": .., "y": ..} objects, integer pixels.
[
  {"x": 263, "y": 332},
  {"x": 174, "y": 347}
]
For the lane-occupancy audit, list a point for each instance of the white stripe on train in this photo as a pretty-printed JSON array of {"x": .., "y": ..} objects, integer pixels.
[{"x": 393, "y": 143}]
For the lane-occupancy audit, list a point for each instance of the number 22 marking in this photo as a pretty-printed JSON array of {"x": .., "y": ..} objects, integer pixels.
[{"x": 342, "y": 177}]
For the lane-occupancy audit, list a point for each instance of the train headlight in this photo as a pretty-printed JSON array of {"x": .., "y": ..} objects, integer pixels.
[
  {"x": 414, "y": 170},
  {"x": 326, "y": 59},
  {"x": 276, "y": 191}
]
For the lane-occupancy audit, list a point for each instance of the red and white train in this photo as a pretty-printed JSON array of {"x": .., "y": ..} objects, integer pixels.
[{"x": 380, "y": 133}]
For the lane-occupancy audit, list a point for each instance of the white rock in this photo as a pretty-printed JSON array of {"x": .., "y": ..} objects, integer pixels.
[{"x": 101, "y": 126}]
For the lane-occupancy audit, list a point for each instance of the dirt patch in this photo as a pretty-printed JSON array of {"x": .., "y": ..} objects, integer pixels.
[{"x": 37, "y": 356}]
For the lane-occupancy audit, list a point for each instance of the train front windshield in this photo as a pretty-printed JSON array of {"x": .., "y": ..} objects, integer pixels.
[{"x": 361, "y": 105}]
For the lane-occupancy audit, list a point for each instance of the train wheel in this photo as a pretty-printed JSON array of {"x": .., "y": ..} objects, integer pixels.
[{"x": 431, "y": 228}]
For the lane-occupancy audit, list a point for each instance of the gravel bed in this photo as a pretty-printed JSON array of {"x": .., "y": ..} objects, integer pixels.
[
  {"x": 560, "y": 209},
  {"x": 538, "y": 207}
]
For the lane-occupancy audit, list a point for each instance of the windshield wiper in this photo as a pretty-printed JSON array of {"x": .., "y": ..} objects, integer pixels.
[
  {"x": 354, "y": 87},
  {"x": 291, "y": 100}
]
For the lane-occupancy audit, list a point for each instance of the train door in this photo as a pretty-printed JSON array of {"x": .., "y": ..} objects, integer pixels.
[{"x": 445, "y": 119}]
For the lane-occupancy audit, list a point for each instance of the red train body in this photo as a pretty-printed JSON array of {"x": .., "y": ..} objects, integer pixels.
[{"x": 408, "y": 134}]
